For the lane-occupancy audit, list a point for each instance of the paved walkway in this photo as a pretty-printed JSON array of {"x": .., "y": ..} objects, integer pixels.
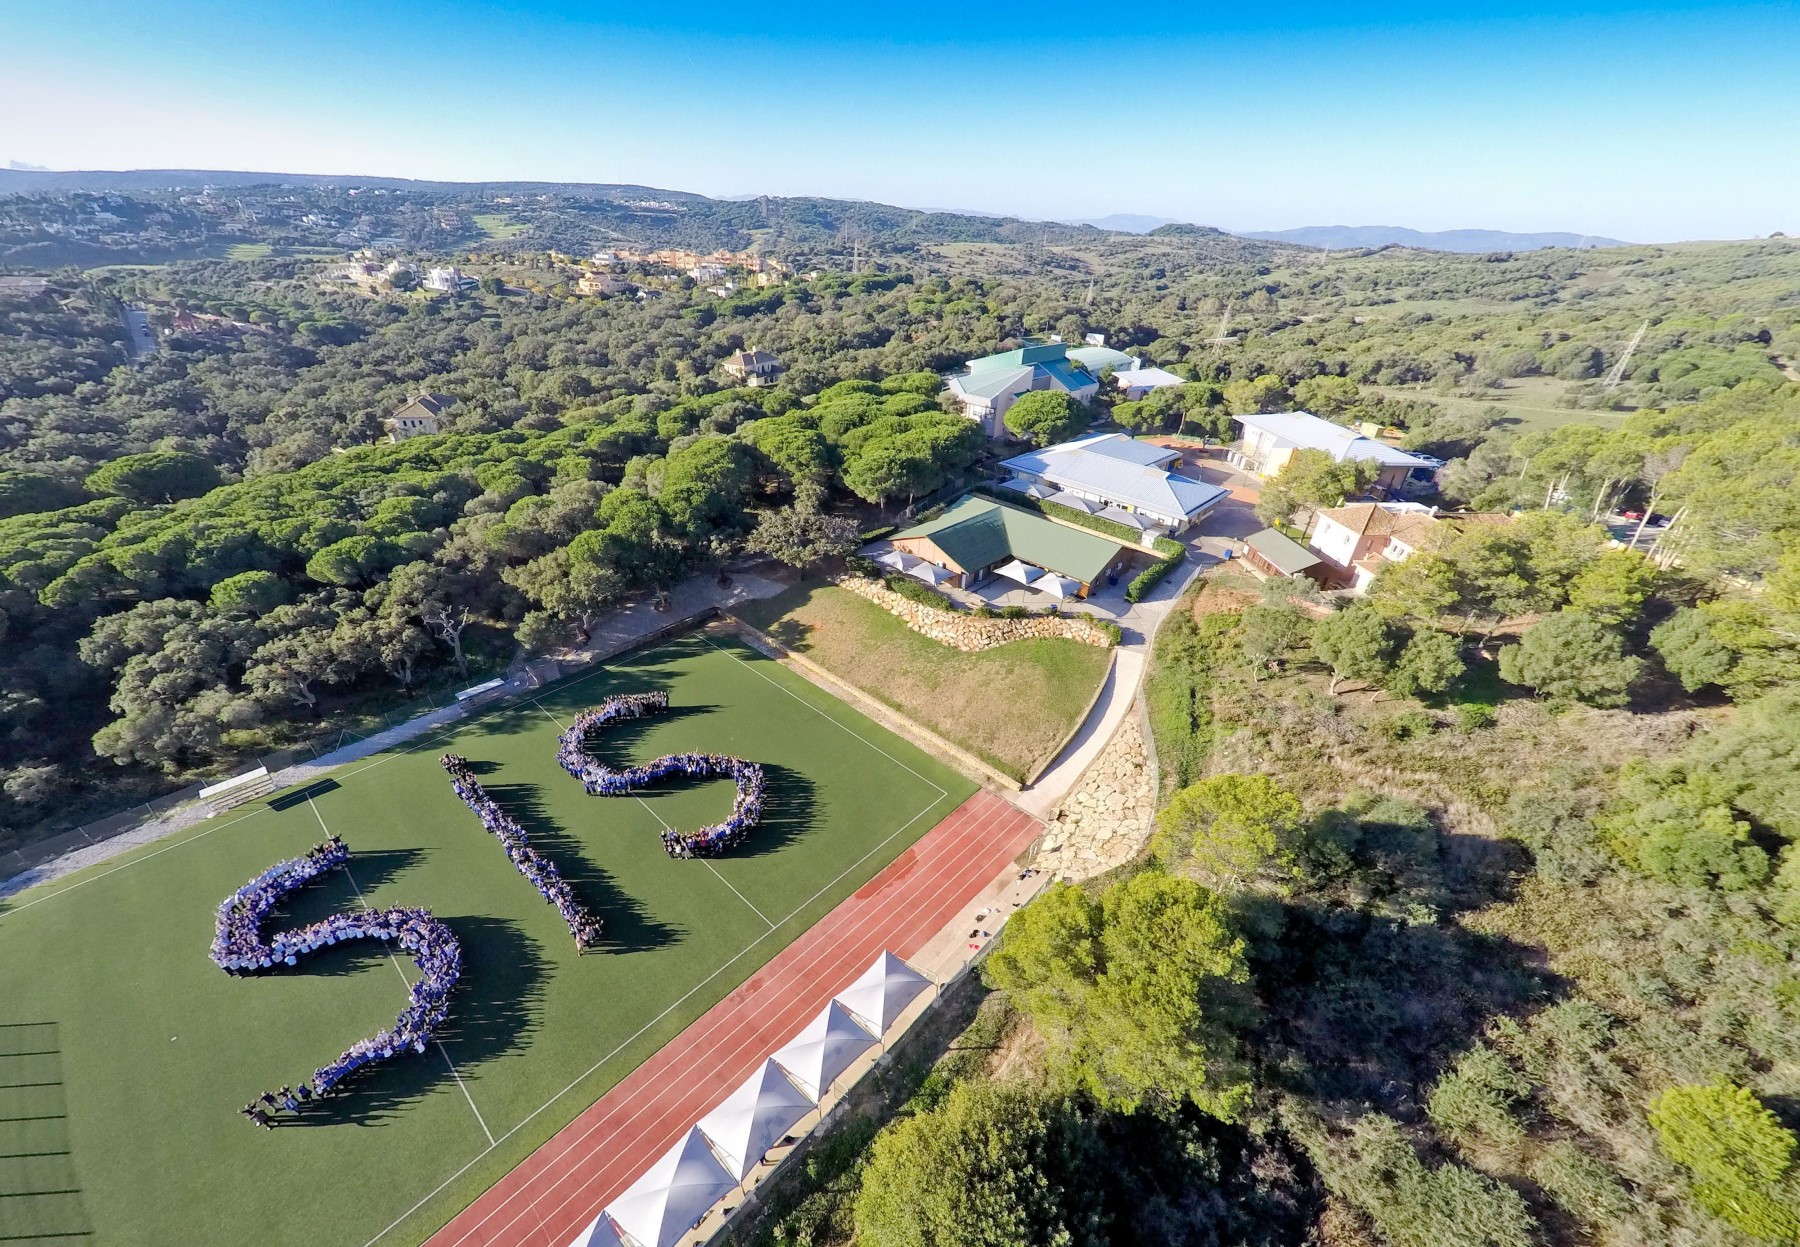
[
  {"x": 1139, "y": 624},
  {"x": 561, "y": 1187},
  {"x": 620, "y": 630}
]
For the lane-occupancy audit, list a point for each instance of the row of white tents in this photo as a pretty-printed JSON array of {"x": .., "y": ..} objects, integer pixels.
[
  {"x": 718, "y": 1153},
  {"x": 1025, "y": 573}
]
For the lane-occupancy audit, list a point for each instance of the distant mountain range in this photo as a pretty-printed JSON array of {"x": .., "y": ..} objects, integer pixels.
[
  {"x": 911, "y": 224},
  {"x": 1340, "y": 237}
]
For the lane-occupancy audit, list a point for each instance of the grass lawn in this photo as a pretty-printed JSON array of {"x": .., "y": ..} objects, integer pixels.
[
  {"x": 497, "y": 227},
  {"x": 1010, "y": 706},
  {"x": 1525, "y": 404},
  {"x": 146, "y": 1050},
  {"x": 248, "y": 251}
]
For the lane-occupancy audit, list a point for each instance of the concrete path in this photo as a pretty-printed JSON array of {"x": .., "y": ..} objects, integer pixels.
[
  {"x": 1227, "y": 525},
  {"x": 619, "y": 631}
]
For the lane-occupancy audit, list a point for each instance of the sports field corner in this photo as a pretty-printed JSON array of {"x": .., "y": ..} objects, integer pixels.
[{"x": 155, "y": 1048}]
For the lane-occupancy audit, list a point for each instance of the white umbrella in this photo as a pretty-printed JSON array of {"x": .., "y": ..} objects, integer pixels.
[
  {"x": 1057, "y": 587},
  {"x": 827, "y": 1047},
  {"x": 753, "y": 1118},
  {"x": 899, "y": 560},
  {"x": 680, "y": 1188},
  {"x": 599, "y": 1233},
  {"x": 930, "y": 573},
  {"x": 1024, "y": 573},
  {"x": 1063, "y": 498},
  {"x": 883, "y": 992}
]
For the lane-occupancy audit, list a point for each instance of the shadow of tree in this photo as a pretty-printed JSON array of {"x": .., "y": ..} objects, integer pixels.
[
  {"x": 1371, "y": 991},
  {"x": 496, "y": 1005},
  {"x": 629, "y": 927},
  {"x": 789, "y": 632}
]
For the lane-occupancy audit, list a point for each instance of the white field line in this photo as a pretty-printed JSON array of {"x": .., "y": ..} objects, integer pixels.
[{"x": 395, "y": 962}]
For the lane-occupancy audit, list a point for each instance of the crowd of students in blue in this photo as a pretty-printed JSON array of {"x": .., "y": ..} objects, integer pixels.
[
  {"x": 601, "y": 780},
  {"x": 239, "y": 947}
]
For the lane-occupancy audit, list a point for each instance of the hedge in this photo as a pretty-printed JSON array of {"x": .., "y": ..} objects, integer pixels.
[
  {"x": 918, "y": 591},
  {"x": 1146, "y": 580}
]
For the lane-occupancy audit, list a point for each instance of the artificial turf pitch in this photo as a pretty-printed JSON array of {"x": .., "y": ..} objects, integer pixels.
[{"x": 155, "y": 1049}]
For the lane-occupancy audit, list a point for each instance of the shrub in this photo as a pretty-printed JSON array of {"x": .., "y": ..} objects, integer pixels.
[
  {"x": 917, "y": 591},
  {"x": 876, "y": 534},
  {"x": 983, "y": 611},
  {"x": 1472, "y": 716},
  {"x": 1580, "y": 1183},
  {"x": 1014, "y": 612},
  {"x": 858, "y": 565},
  {"x": 1413, "y": 725},
  {"x": 1111, "y": 629}
]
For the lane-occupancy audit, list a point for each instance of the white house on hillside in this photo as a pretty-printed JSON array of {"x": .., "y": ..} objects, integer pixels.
[
  {"x": 1355, "y": 540},
  {"x": 1117, "y": 478},
  {"x": 418, "y": 416},
  {"x": 991, "y": 384},
  {"x": 447, "y": 280},
  {"x": 1271, "y": 438}
]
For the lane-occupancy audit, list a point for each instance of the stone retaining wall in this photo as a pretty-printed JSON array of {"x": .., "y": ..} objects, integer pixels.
[
  {"x": 961, "y": 630},
  {"x": 1107, "y": 819}
]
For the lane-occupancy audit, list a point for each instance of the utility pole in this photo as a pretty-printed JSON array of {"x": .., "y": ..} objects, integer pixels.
[
  {"x": 1221, "y": 338},
  {"x": 1617, "y": 374}
]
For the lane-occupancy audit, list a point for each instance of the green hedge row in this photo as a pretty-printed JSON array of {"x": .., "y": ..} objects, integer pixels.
[{"x": 1146, "y": 580}]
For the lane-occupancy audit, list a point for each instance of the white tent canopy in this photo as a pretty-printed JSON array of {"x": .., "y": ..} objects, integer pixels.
[
  {"x": 680, "y": 1188},
  {"x": 599, "y": 1233},
  {"x": 1031, "y": 489},
  {"x": 1024, "y": 573},
  {"x": 1056, "y": 586},
  {"x": 754, "y": 1118},
  {"x": 883, "y": 992},
  {"x": 827, "y": 1047},
  {"x": 1119, "y": 515},
  {"x": 1063, "y": 498},
  {"x": 930, "y": 573},
  {"x": 899, "y": 560}
]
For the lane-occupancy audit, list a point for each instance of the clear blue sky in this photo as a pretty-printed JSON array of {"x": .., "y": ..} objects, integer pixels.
[{"x": 1647, "y": 122}]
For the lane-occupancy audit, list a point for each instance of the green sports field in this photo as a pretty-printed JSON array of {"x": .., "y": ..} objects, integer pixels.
[{"x": 138, "y": 1051}]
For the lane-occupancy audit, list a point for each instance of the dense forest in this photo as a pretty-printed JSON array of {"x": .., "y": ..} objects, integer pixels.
[{"x": 1470, "y": 914}]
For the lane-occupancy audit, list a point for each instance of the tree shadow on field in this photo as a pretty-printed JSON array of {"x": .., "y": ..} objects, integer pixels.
[
  {"x": 495, "y": 1006},
  {"x": 628, "y": 927},
  {"x": 789, "y": 633}
]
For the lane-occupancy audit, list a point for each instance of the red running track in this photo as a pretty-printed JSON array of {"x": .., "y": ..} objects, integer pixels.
[{"x": 561, "y": 1187}]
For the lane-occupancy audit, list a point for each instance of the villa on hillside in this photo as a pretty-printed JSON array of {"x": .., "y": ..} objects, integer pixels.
[
  {"x": 418, "y": 416},
  {"x": 976, "y": 540},
  {"x": 991, "y": 384},
  {"x": 1117, "y": 478},
  {"x": 1271, "y": 438},
  {"x": 1356, "y": 540},
  {"x": 753, "y": 367}
]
